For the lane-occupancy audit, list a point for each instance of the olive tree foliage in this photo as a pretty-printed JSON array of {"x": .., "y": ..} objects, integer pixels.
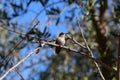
[{"x": 99, "y": 20}]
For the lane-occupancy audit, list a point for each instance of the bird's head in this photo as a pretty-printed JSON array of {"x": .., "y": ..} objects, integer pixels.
[{"x": 62, "y": 34}]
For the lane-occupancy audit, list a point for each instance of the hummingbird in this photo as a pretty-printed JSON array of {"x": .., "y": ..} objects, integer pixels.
[{"x": 60, "y": 40}]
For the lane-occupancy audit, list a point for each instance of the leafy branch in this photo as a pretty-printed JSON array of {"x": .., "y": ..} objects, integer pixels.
[{"x": 56, "y": 45}]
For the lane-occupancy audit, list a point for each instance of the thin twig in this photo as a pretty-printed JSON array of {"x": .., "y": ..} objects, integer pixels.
[
  {"x": 20, "y": 62},
  {"x": 82, "y": 46},
  {"x": 90, "y": 52},
  {"x": 22, "y": 78},
  {"x": 12, "y": 30},
  {"x": 18, "y": 72},
  {"x": 9, "y": 53}
]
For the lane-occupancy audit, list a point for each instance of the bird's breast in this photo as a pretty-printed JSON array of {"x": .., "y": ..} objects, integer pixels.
[{"x": 60, "y": 41}]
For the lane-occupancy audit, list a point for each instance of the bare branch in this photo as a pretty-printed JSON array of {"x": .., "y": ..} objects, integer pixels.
[
  {"x": 83, "y": 54},
  {"x": 91, "y": 54},
  {"x": 18, "y": 72},
  {"x": 12, "y": 30},
  {"x": 20, "y": 62},
  {"x": 22, "y": 78},
  {"x": 82, "y": 46}
]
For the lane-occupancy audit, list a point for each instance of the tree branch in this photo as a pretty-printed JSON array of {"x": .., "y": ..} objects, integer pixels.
[
  {"x": 90, "y": 51},
  {"x": 20, "y": 62},
  {"x": 81, "y": 53},
  {"x": 55, "y": 45},
  {"x": 91, "y": 54}
]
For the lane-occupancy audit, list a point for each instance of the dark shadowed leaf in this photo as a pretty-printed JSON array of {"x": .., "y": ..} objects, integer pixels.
[
  {"x": 45, "y": 29},
  {"x": 58, "y": 19},
  {"x": 43, "y": 2}
]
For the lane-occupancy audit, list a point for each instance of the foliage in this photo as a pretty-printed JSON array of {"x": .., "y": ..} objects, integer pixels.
[{"x": 99, "y": 20}]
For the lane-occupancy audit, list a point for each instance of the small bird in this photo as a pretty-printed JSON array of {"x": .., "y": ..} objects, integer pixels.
[{"x": 60, "y": 40}]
